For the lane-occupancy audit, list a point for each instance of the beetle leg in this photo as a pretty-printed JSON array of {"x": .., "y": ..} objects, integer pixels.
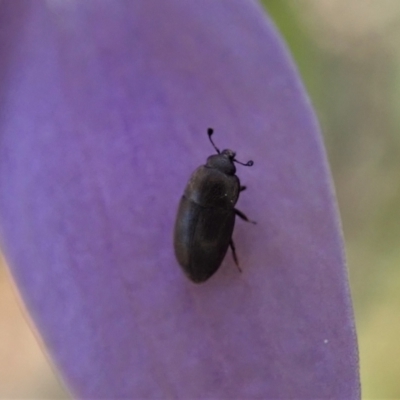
[
  {"x": 232, "y": 245},
  {"x": 242, "y": 188},
  {"x": 242, "y": 216}
]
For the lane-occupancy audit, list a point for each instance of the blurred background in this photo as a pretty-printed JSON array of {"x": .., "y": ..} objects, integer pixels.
[{"x": 348, "y": 53}]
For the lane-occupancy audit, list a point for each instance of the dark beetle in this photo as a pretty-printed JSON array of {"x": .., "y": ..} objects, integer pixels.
[{"x": 206, "y": 215}]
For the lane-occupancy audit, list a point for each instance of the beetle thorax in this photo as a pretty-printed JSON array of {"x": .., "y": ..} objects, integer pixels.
[{"x": 223, "y": 162}]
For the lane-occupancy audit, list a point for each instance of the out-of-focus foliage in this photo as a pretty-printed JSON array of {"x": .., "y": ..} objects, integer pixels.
[{"x": 348, "y": 54}]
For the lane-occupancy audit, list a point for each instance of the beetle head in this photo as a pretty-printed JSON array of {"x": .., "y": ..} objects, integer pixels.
[{"x": 223, "y": 162}]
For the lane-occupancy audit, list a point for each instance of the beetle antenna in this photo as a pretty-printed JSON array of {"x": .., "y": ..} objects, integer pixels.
[
  {"x": 248, "y": 164},
  {"x": 210, "y": 131}
]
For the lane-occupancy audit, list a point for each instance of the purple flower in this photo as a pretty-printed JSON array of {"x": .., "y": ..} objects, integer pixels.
[{"x": 104, "y": 107}]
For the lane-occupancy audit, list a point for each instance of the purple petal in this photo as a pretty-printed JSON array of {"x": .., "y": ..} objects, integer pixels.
[{"x": 104, "y": 107}]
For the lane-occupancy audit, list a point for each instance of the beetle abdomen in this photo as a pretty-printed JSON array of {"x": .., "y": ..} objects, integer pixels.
[{"x": 201, "y": 238}]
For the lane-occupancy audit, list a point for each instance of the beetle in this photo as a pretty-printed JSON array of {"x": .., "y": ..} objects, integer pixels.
[{"x": 206, "y": 215}]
